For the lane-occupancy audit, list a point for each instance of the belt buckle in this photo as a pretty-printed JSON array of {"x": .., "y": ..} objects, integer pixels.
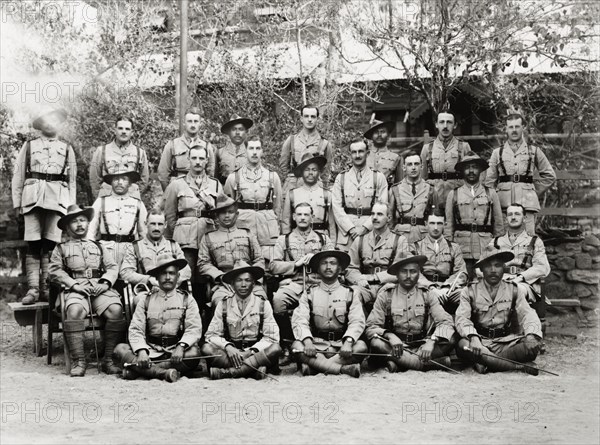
[
  {"x": 163, "y": 341},
  {"x": 409, "y": 338},
  {"x": 513, "y": 270},
  {"x": 516, "y": 177},
  {"x": 198, "y": 213},
  {"x": 377, "y": 270},
  {"x": 331, "y": 336},
  {"x": 444, "y": 176},
  {"x": 492, "y": 332},
  {"x": 413, "y": 220},
  {"x": 117, "y": 238},
  {"x": 88, "y": 273},
  {"x": 473, "y": 227},
  {"x": 255, "y": 206},
  {"x": 359, "y": 212},
  {"x": 435, "y": 278}
]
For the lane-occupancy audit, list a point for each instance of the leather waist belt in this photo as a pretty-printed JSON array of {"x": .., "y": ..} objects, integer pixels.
[
  {"x": 494, "y": 332},
  {"x": 243, "y": 344},
  {"x": 444, "y": 176},
  {"x": 366, "y": 211},
  {"x": 87, "y": 273},
  {"x": 255, "y": 205},
  {"x": 176, "y": 173},
  {"x": 409, "y": 338},
  {"x": 320, "y": 226},
  {"x": 47, "y": 176},
  {"x": 516, "y": 178},
  {"x": 372, "y": 269},
  {"x": 473, "y": 228},
  {"x": 412, "y": 220},
  {"x": 165, "y": 341},
  {"x": 195, "y": 213},
  {"x": 117, "y": 238},
  {"x": 435, "y": 277},
  {"x": 330, "y": 335}
]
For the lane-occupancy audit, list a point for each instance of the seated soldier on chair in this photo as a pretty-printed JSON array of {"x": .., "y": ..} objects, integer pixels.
[
  {"x": 166, "y": 326},
  {"x": 87, "y": 272},
  {"x": 243, "y": 330}
]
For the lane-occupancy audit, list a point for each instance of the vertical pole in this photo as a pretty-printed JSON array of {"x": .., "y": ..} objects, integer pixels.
[{"x": 183, "y": 48}]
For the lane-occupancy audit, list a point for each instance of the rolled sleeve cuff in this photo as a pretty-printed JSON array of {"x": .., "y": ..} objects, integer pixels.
[{"x": 444, "y": 332}]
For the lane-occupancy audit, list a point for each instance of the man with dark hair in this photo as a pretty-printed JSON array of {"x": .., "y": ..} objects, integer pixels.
[
  {"x": 473, "y": 212},
  {"x": 380, "y": 157},
  {"x": 119, "y": 155},
  {"x": 354, "y": 193},
  {"x": 43, "y": 187},
  {"x": 174, "y": 161},
  {"x": 411, "y": 200},
  {"x": 233, "y": 155},
  {"x": 512, "y": 168},
  {"x": 439, "y": 157},
  {"x": 329, "y": 319},
  {"x": 485, "y": 316}
]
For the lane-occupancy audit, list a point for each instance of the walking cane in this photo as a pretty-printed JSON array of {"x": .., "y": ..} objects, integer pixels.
[{"x": 94, "y": 334}]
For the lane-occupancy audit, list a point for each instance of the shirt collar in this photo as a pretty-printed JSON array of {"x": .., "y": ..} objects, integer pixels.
[{"x": 329, "y": 287}]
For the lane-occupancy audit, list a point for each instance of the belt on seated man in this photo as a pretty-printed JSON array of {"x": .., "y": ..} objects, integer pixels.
[
  {"x": 435, "y": 277},
  {"x": 194, "y": 213},
  {"x": 412, "y": 220},
  {"x": 47, "y": 176},
  {"x": 243, "y": 344},
  {"x": 409, "y": 338},
  {"x": 255, "y": 205},
  {"x": 117, "y": 238},
  {"x": 516, "y": 178},
  {"x": 87, "y": 273},
  {"x": 481, "y": 228},
  {"x": 163, "y": 340},
  {"x": 493, "y": 332},
  {"x": 330, "y": 335},
  {"x": 444, "y": 176},
  {"x": 358, "y": 211}
]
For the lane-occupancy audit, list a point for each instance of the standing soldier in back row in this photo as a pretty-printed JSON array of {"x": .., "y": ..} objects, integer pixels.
[
  {"x": 380, "y": 157},
  {"x": 233, "y": 155}
]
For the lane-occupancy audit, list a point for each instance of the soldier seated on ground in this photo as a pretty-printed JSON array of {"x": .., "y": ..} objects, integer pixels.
[
  {"x": 485, "y": 315},
  {"x": 87, "y": 272},
  {"x": 329, "y": 321},
  {"x": 166, "y": 327},
  {"x": 403, "y": 318},
  {"x": 243, "y": 332}
]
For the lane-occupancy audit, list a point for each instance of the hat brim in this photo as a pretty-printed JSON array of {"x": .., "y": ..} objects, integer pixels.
[
  {"x": 342, "y": 257},
  {"x": 504, "y": 256},
  {"x": 223, "y": 207},
  {"x": 133, "y": 177},
  {"x": 418, "y": 259},
  {"x": 256, "y": 272},
  {"x": 247, "y": 123},
  {"x": 64, "y": 220},
  {"x": 460, "y": 166},
  {"x": 321, "y": 161},
  {"x": 180, "y": 263},
  {"x": 37, "y": 122},
  {"x": 389, "y": 126}
]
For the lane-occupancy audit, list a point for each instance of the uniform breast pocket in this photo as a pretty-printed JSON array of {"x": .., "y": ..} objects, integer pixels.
[
  {"x": 321, "y": 313},
  {"x": 93, "y": 258},
  {"x": 31, "y": 189},
  {"x": 482, "y": 308},
  {"x": 503, "y": 305},
  {"x": 420, "y": 310}
]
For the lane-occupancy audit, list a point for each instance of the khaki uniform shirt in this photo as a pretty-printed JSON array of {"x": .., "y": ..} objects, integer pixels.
[
  {"x": 473, "y": 207},
  {"x": 50, "y": 156},
  {"x": 229, "y": 158},
  {"x": 291, "y": 156},
  {"x": 385, "y": 161},
  {"x": 174, "y": 161},
  {"x": 118, "y": 159},
  {"x": 329, "y": 312},
  {"x": 515, "y": 163},
  {"x": 119, "y": 212},
  {"x": 404, "y": 203},
  {"x": 243, "y": 326},
  {"x": 320, "y": 201},
  {"x": 446, "y": 260}
]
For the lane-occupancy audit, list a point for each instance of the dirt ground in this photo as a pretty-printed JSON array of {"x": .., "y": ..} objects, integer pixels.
[{"x": 40, "y": 404}]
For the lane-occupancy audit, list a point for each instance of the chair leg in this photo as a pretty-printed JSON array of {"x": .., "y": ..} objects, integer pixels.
[{"x": 50, "y": 332}]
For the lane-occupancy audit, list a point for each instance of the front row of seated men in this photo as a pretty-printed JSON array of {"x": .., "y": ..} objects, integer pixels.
[{"x": 407, "y": 324}]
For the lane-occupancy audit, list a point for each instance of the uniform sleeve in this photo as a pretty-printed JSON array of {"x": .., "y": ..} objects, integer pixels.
[
  {"x": 459, "y": 267},
  {"x": 56, "y": 270},
  {"x": 137, "y": 327},
  {"x": 546, "y": 172},
  {"x": 444, "y": 325},
  {"x": 72, "y": 162},
  {"x": 398, "y": 171},
  {"x": 129, "y": 265},
  {"x": 540, "y": 268},
  {"x": 491, "y": 174},
  {"x": 376, "y": 320},
  {"x": 142, "y": 228},
  {"x": 356, "y": 319},
  {"x": 185, "y": 274},
  {"x": 96, "y": 172},
  {"x": 171, "y": 201},
  {"x": 449, "y": 229},
  {"x": 277, "y": 198},
  {"x": 145, "y": 173},
  {"x": 498, "y": 216},
  {"x": 392, "y": 207},
  {"x": 403, "y": 248},
  {"x": 214, "y": 334},
  {"x": 286, "y": 154},
  {"x": 193, "y": 323},
  {"x": 329, "y": 153},
  {"x": 528, "y": 319},
  {"x": 424, "y": 160},
  {"x": 93, "y": 232},
  {"x": 353, "y": 274},
  {"x": 278, "y": 265},
  {"x": 258, "y": 260},
  {"x": 212, "y": 160},
  {"x": 286, "y": 216},
  {"x": 462, "y": 318},
  {"x": 18, "y": 179},
  {"x": 330, "y": 219},
  {"x": 230, "y": 188},
  {"x": 164, "y": 166},
  {"x": 110, "y": 266},
  {"x": 205, "y": 264},
  {"x": 301, "y": 319},
  {"x": 341, "y": 218},
  {"x": 270, "y": 330}
]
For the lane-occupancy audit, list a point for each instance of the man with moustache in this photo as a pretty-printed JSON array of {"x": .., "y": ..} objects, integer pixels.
[
  {"x": 380, "y": 157},
  {"x": 372, "y": 254},
  {"x": 354, "y": 193},
  {"x": 174, "y": 161},
  {"x": 484, "y": 320},
  {"x": 411, "y": 200},
  {"x": 512, "y": 168},
  {"x": 258, "y": 192},
  {"x": 121, "y": 154},
  {"x": 43, "y": 186},
  {"x": 439, "y": 157},
  {"x": 402, "y": 318},
  {"x": 87, "y": 271},
  {"x": 233, "y": 155},
  {"x": 473, "y": 212}
]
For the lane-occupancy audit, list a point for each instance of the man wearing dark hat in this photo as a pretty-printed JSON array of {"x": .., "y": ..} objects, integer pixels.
[
  {"x": 484, "y": 319},
  {"x": 243, "y": 331},
  {"x": 223, "y": 247},
  {"x": 120, "y": 218},
  {"x": 87, "y": 271},
  {"x": 403, "y": 318},
  {"x": 372, "y": 254},
  {"x": 439, "y": 157},
  {"x": 312, "y": 192},
  {"x": 411, "y": 200},
  {"x": 328, "y": 320},
  {"x": 473, "y": 212},
  {"x": 166, "y": 325},
  {"x": 120, "y": 155},
  {"x": 233, "y": 155},
  {"x": 258, "y": 192},
  {"x": 354, "y": 193},
  {"x": 43, "y": 187},
  {"x": 174, "y": 161},
  {"x": 380, "y": 157},
  {"x": 511, "y": 171}
]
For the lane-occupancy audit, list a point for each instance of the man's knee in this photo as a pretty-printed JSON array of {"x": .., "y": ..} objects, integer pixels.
[
  {"x": 209, "y": 349},
  {"x": 192, "y": 352},
  {"x": 273, "y": 351},
  {"x": 122, "y": 350},
  {"x": 283, "y": 301},
  {"x": 113, "y": 312},
  {"x": 76, "y": 311},
  {"x": 378, "y": 345},
  {"x": 360, "y": 347}
]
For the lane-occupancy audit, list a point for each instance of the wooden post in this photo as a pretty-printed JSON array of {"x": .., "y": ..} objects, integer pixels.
[{"x": 183, "y": 48}]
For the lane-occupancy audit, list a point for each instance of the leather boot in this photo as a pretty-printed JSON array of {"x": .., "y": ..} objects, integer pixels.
[
  {"x": 73, "y": 333},
  {"x": 430, "y": 366},
  {"x": 170, "y": 375},
  {"x": 322, "y": 364},
  {"x": 220, "y": 373},
  {"x": 32, "y": 270},
  {"x": 351, "y": 370},
  {"x": 114, "y": 331},
  {"x": 258, "y": 361},
  {"x": 44, "y": 284}
]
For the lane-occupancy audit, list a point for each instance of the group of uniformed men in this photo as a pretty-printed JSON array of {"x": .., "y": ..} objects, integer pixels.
[{"x": 384, "y": 262}]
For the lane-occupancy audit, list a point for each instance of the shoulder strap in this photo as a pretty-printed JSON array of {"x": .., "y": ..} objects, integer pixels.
[
  {"x": 429, "y": 207},
  {"x": 261, "y": 315},
  {"x": 395, "y": 248},
  {"x": 496, "y": 245},
  {"x": 173, "y": 249},
  {"x": 489, "y": 216},
  {"x": 361, "y": 240},
  {"x": 103, "y": 211},
  {"x": 455, "y": 207},
  {"x": 138, "y": 257},
  {"x": 97, "y": 243},
  {"x": 28, "y": 156},
  {"x": 292, "y": 153},
  {"x": 137, "y": 218},
  {"x": 287, "y": 247},
  {"x": 321, "y": 239},
  {"x": 64, "y": 167},
  {"x": 237, "y": 185},
  {"x": 173, "y": 157},
  {"x": 103, "y": 160},
  {"x": 527, "y": 259},
  {"x": 501, "y": 166},
  {"x": 342, "y": 180},
  {"x": 224, "y": 315},
  {"x": 417, "y": 249},
  {"x": 185, "y": 307},
  {"x": 530, "y": 161},
  {"x": 430, "y": 157},
  {"x": 515, "y": 294},
  {"x": 396, "y": 193},
  {"x": 389, "y": 319},
  {"x": 374, "y": 197},
  {"x": 138, "y": 161}
]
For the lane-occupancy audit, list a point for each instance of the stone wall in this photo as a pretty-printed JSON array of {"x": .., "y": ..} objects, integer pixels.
[{"x": 575, "y": 271}]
